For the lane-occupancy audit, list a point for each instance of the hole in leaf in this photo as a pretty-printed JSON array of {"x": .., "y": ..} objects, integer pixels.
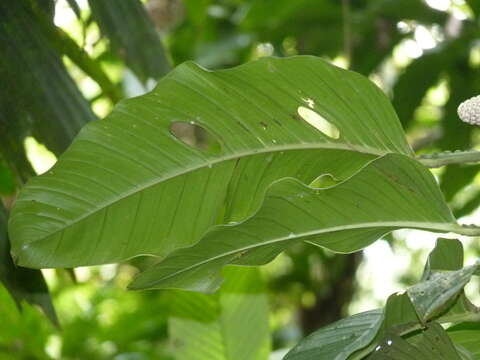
[
  {"x": 318, "y": 122},
  {"x": 195, "y": 136}
]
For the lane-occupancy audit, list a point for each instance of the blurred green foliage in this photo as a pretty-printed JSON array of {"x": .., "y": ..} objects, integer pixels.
[{"x": 99, "y": 320}]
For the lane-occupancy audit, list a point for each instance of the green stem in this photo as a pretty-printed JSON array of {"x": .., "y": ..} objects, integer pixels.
[
  {"x": 468, "y": 230},
  {"x": 446, "y": 158}
]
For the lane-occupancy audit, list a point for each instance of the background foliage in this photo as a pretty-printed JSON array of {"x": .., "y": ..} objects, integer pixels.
[{"x": 64, "y": 64}]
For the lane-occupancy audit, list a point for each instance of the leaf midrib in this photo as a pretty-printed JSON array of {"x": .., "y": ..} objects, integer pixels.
[
  {"x": 446, "y": 227},
  {"x": 273, "y": 149}
]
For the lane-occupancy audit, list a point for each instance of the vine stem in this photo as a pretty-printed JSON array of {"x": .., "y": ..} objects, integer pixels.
[
  {"x": 468, "y": 230},
  {"x": 446, "y": 158}
]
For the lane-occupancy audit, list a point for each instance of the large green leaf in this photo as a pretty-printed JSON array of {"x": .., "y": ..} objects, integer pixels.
[
  {"x": 128, "y": 187},
  {"x": 229, "y": 325},
  {"x": 391, "y": 192}
]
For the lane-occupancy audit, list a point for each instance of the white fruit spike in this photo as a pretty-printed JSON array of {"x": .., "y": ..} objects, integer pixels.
[{"x": 469, "y": 111}]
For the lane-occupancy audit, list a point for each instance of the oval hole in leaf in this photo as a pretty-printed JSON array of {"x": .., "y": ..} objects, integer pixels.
[
  {"x": 318, "y": 122},
  {"x": 195, "y": 136}
]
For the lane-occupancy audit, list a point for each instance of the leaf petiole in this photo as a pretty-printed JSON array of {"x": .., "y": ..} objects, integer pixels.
[{"x": 436, "y": 160}]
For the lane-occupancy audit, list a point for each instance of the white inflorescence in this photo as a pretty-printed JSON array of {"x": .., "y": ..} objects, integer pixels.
[{"x": 469, "y": 110}]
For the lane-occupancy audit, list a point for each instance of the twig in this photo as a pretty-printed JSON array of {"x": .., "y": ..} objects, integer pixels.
[
  {"x": 446, "y": 158},
  {"x": 468, "y": 230}
]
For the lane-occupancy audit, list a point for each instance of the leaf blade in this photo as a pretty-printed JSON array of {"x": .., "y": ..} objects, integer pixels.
[{"x": 129, "y": 165}]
